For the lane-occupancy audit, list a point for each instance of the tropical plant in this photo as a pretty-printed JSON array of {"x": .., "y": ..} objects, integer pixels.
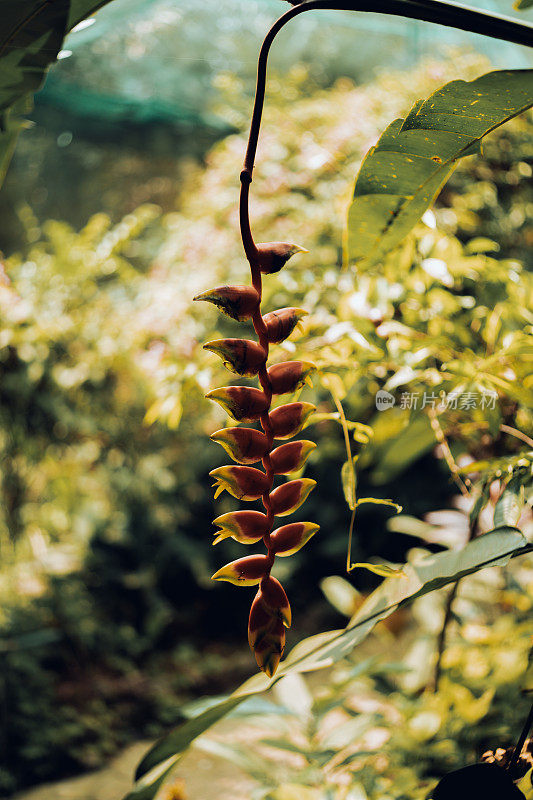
[
  {"x": 396, "y": 183},
  {"x": 485, "y": 355}
]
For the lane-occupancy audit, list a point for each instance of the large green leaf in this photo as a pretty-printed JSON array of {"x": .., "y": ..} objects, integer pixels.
[
  {"x": 32, "y": 35},
  {"x": 403, "y": 173},
  {"x": 322, "y": 650}
]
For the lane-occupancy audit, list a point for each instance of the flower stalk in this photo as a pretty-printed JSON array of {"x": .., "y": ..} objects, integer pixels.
[{"x": 270, "y": 612}]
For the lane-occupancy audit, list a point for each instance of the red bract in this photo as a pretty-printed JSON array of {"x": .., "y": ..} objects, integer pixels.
[
  {"x": 290, "y": 538},
  {"x": 290, "y": 496},
  {"x": 281, "y": 323},
  {"x": 260, "y": 621},
  {"x": 291, "y": 456},
  {"x": 238, "y": 302},
  {"x": 289, "y": 376},
  {"x": 288, "y": 420},
  {"x": 270, "y": 611},
  {"x": 244, "y": 483},
  {"x": 272, "y": 256},
  {"x": 244, "y": 445},
  {"x": 246, "y": 527},
  {"x": 243, "y": 403},
  {"x": 275, "y": 600},
  {"x": 246, "y": 571},
  {"x": 242, "y": 356},
  {"x": 269, "y": 649}
]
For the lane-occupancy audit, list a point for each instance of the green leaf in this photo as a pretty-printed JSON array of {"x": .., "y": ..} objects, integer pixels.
[
  {"x": 316, "y": 652},
  {"x": 410, "y": 444},
  {"x": 521, "y": 5},
  {"x": 380, "y": 501},
  {"x": 404, "y": 172},
  {"x": 32, "y": 35},
  {"x": 383, "y": 570},
  {"x": 341, "y": 594},
  {"x": 349, "y": 482},
  {"x": 176, "y": 742},
  {"x": 510, "y": 504}
]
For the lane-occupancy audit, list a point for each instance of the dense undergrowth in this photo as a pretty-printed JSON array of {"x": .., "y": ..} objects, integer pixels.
[{"x": 105, "y": 525}]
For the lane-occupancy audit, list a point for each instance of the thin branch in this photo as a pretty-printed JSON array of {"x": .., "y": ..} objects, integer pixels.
[
  {"x": 521, "y": 740},
  {"x": 448, "y": 457},
  {"x": 441, "y": 641},
  {"x": 517, "y": 434}
]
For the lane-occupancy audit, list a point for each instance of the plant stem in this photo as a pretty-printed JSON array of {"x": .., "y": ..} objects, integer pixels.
[
  {"x": 448, "y": 14},
  {"x": 448, "y": 457},
  {"x": 521, "y": 740},
  {"x": 452, "y": 594}
]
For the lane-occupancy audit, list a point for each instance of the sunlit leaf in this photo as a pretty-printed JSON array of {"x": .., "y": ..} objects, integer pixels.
[
  {"x": 380, "y": 501},
  {"x": 349, "y": 482},
  {"x": 384, "y": 570},
  {"x": 414, "y": 157},
  {"x": 423, "y": 576},
  {"x": 509, "y": 506},
  {"x": 32, "y": 35}
]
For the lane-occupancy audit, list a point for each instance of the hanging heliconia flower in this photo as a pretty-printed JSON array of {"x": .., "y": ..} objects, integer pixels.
[{"x": 270, "y": 613}]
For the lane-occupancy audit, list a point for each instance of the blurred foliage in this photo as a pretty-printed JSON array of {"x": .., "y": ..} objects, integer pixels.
[
  {"x": 105, "y": 513},
  {"x": 371, "y": 730}
]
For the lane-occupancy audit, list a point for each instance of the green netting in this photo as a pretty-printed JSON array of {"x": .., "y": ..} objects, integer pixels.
[{"x": 154, "y": 61}]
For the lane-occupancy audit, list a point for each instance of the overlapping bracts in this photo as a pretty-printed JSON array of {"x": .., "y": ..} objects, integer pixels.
[{"x": 270, "y": 613}]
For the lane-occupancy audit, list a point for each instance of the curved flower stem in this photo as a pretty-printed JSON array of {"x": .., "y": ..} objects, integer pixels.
[
  {"x": 448, "y": 14},
  {"x": 444, "y": 13}
]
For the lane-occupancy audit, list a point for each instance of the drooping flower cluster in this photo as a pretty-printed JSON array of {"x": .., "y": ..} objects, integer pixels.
[{"x": 270, "y": 613}]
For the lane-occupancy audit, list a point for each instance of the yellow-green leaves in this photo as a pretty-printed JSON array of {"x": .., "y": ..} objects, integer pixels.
[{"x": 402, "y": 174}]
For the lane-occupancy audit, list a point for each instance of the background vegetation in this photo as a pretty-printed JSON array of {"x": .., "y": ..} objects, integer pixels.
[{"x": 109, "y": 621}]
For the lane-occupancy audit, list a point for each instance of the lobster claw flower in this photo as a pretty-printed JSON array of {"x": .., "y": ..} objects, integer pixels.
[
  {"x": 288, "y": 420},
  {"x": 243, "y": 403},
  {"x": 290, "y": 376},
  {"x": 237, "y": 302},
  {"x": 244, "y": 445},
  {"x": 272, "y": 256},
  {"x": 268, "y": 650},
  {"x": 291, "y": 456},
  {"x": 243, "y": 356},
  {"x": 275, "y": 600},
  {"x": 290, "y": 538},
  {"x": 281, "y": 323},
  {"x": 245, "y": 527},
  {"x": 260, "y": 621},
  {"x": 290, "y": 496},
  {"x": 244, "y": 483},
  {"x": 246, "y": 571}
]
